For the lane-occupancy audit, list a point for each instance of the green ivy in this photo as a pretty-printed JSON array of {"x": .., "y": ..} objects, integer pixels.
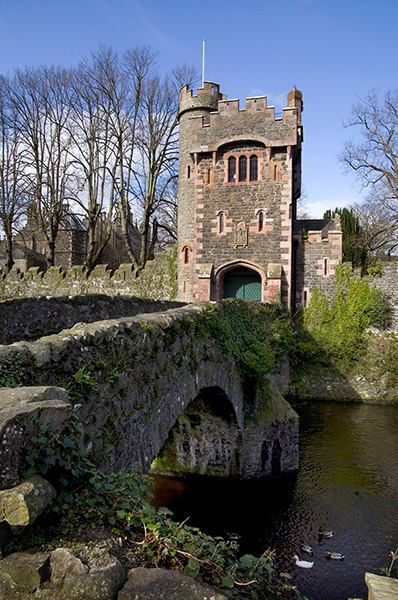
[
  {"x": 338, "y": 331},
  {"x": 255, "y": 335},
  {"x": 14, "y": 371}
]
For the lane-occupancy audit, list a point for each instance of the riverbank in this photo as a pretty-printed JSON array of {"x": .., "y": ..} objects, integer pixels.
[{"x": 371, "y": 378}]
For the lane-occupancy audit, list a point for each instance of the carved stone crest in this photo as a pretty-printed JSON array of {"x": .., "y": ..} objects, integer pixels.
[{"x": 241, "y": 235}]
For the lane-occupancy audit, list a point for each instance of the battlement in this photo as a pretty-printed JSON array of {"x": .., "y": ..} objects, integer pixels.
[
  {"x": 206, "y": 97},
  {"x": 210, "y": 98}
]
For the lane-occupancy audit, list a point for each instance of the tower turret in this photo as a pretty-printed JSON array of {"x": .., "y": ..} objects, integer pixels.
[{"x": 295, "y": 100}]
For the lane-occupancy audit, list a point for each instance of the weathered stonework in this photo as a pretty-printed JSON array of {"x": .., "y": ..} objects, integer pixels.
[
  {"x": 317, "y": 250},
  {"x": 32, "y": 318},
  {"x": 157, "y": 281},
  {"x": 22, "y": 412},
  {"x": 142, "y": 373},
  {"x": 214, "y": 131},
  {"x": 239, "y": 181},
  {"x": 21, "y": 505}
]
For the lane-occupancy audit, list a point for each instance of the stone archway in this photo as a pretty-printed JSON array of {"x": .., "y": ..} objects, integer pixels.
[
  {"x": 240, "y": 280},
  {"x": 205, "y": 440}
]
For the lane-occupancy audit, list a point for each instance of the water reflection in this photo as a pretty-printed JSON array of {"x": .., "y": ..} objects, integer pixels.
[{"x": 347, "y": 482}]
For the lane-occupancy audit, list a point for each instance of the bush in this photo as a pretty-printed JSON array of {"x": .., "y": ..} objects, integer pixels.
[{"x": 339, "y": 330}]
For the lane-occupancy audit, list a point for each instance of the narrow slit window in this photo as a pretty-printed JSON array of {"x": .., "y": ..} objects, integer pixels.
[
  {"x": 231, "y": 169},
  {"x": 325, "y": 266},
  {"x": 188, "y": 172},
  {"x": 253, "y": 168},
  {"x": 221, "y": 223},
  {"x": 242, "y": 168},
  {"x": 186, "y": 255},
  {"x": 261, "y": 221}
]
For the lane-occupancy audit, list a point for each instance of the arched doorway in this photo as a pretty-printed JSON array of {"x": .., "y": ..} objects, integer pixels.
[{"x": 242, "y": 283}]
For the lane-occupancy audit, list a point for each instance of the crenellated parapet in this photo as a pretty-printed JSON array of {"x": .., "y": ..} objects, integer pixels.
[
  {"x": 156, "y": 281},
  {"x": 206, "y": 98},
  {"x": 209, "y": 105}
]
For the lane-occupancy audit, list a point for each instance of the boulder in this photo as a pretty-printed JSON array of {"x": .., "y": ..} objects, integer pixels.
[
  {"x": 64, "y": 561},
  {"x": 27, "y": 571},
  {"x": 101, "y": 580},
  {"x": 22, "y": 411},
  {"x": 159, "y": 584},
  {"x": 21, "y": 505}
]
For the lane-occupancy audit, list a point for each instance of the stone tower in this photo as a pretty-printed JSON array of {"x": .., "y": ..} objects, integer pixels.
[{"x": 239, "y": 179}]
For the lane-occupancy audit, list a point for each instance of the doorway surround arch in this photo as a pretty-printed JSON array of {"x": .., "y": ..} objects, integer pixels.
[{"x": 228, "y": 268}]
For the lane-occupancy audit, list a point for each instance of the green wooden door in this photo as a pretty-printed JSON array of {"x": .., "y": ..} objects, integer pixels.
[{"x": 242, "y": 283}]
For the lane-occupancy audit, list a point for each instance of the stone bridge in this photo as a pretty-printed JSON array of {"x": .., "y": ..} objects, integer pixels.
[{"x": 156, "y": 389}]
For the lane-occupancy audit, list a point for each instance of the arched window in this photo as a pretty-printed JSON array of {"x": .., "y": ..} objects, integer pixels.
[
  {"x": 261, "y": 220},
  {"x": 242, "y": 168},
  {"x": 253, "y": 168},
  {"x": 221, "y": 222},
  {"x": 186, "y": 255},
  {"x": 231, "y": 169}
]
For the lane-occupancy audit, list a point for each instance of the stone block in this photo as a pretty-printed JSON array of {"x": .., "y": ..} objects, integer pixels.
[
  {"x": 381, "y": 587},
  {"x": 274, "y": 271},
  {"x": 22, "y": 411},
  {"x": 64, "y": 561},
  {"x": 27, "y": 571},
  {"x": 154, "y": 584},
  {"x": 21, "y": 505},
  {"x": 54, "y": 275},
  {"x": 101, "y": 582},
  {"x": 102, "y": 272}
]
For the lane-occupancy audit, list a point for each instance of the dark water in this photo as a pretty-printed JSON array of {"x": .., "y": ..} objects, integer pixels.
[{"x": 347, "y": 482}]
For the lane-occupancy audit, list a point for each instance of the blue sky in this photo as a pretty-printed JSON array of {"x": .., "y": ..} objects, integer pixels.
[{"x": 334, "y": 52}]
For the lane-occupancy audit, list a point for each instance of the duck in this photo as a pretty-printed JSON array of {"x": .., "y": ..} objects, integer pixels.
[
  {"x": 234, "y": 537},
  {"x": 307, "y": 549},
  {"x": 325, "y": 535},
  {"x": 334, "y": 555},
  {"x": 304, "y": 564}
]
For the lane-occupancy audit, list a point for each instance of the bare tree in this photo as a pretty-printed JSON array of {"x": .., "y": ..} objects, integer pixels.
[
  {"x": 12, "y": 197},
  {"x": 40, "y": 117},
  {"x": 96, "y": 91},
  {"x": 378, "y": 228},
  {"x": 156, "y": 169},
  {"x": 374, "y": 158}
]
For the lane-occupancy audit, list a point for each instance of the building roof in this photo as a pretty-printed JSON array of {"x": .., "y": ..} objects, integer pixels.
[{"x": 324, "y": 225}]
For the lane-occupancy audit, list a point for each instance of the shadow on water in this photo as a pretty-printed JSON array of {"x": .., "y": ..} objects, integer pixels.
[{"x": 347, "y": 482}]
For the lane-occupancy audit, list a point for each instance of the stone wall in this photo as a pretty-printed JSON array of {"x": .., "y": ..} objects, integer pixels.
[
  {"x": 317, "y": 252},
  {"x": 388, "y": 283},
  {"x": 157, "y": 281},
  {"x": 32, "y": 318}
]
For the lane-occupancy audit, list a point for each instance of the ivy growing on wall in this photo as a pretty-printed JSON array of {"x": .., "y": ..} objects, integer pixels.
[
  {"x": 255, "y": 335},
  {"x": 337, "y": 333}
]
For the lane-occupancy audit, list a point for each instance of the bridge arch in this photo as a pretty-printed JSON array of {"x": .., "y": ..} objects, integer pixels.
[{"x": 205, "y": 440}]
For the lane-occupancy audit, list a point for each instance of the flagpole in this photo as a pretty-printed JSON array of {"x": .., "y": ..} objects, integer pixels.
[{"x": 203, "y": 63}]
